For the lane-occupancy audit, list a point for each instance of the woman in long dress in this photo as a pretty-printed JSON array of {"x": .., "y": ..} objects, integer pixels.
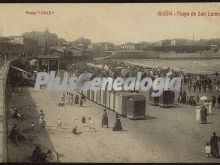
[
  {"x": 198, "y": 114},
  {"x": 209, "y": 107},
  {"x": 105, "y": 119},
  {"x": 117, "y": 126}
]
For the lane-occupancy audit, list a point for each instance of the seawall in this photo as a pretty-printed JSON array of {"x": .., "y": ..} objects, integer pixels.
[{"x": 4, "y": 91}]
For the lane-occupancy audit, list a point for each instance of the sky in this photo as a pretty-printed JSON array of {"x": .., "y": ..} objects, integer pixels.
[{"x": 116, "y": 23}]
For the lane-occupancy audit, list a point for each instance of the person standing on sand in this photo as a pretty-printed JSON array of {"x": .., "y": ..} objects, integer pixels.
[
  {"x": 117, "y": 126},
  {"x": 42, "y": 122},
  {"x": 214, "y": 145},
  {"x": 209, "y": 107},
  {"x": 105, "y": 119},
  {"x": 184, "y": 97},
  {"x": 76, "y": 99},
  {"x": 83, "y": 98},
  {"x": 180, "y": 97},
  {"x": 206, "y": 104},
  {"x": 81, "y": 103},
  {"x": 197, "y": 99},
  {"x": 213, "y": 101},
  {"x": 218, "y": 99},
  {"x": 59, "y": 123},
  {"x": 71, "y": 99},
  {"x": 198, "y": 114},
  {"x": 91, "y": 125},
  {"x": 203, "y": 114},
  {"x": 208, "y": 149},
  {"x": 83, "y": 120}
]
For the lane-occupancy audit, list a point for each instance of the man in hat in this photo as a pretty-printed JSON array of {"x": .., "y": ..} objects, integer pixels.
[
  {"x": 36, "y": 155},
  {"x": 204, "y": 114},
  {"x": 13, "y": 135}
]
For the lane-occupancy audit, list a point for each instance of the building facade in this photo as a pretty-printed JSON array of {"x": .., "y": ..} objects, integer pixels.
[
  {"x": 44, "y": 39},
  {"x": 127, "y": 47},
  {"x": 102, "y": 46},
  {"x": 30, "y": 46}
]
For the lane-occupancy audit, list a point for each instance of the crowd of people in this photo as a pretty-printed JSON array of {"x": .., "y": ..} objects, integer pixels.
[
  {"x": 68, "y": 99},
  {"x": 204, "y": 110},
  {"x": 192, "y": 86},
  {"x": 17, "y": 136},
  {"x": 115, "y": 68},
  {"x": 202, "y": 83},
  {"x": 38, "y": 156},
  {"x": 207, "y": 84},
  {"x": 195, "y": 99},
  {"x": 71, "y": 98},
  {"x": 23, "y": 135},
  {"x": 109, "y": 68}
]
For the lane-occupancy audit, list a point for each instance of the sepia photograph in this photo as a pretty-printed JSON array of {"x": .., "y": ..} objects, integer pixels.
[{"x": 109, "y": 82}]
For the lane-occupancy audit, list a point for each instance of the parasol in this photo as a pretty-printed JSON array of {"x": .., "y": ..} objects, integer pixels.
[{"x": 203, "y": 98}]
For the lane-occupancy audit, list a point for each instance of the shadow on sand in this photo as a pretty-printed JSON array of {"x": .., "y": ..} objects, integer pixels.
[
  {"x": 145, "y": 118},
  {"x": 22, "y": 151}
]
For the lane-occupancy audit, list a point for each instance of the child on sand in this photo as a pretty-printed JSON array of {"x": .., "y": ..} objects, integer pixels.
[
  {"x": 208, "y": 149},
  {"x": 83, "y": 119},
  {"x": 91, "y": 125},
  {"x": 33, "y": 125},
  {"x": 59, "y": 123},
  {"x": 75, "y": 131}
]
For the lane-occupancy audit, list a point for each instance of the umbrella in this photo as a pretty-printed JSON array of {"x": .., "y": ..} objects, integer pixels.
[{"x": 203, "y": 98}]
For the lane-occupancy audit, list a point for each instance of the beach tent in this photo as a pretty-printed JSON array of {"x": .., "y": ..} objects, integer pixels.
[
  {"x": 121, "y": 102},
  {"x": 136, "y": 106},
  {"x": 166, "y": 99}
]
